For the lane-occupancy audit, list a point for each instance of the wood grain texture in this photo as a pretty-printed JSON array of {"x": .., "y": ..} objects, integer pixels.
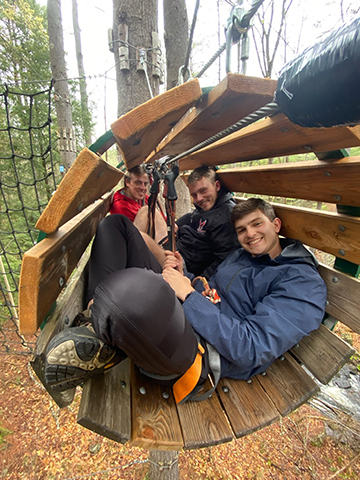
[
  {"x": 287, "y": 384},
  {"x": 204, "y": 424},
  {"x": 247, "y": 405},
  {"x": 154, "y": 419},
  {"x": 331, "y": 232},
  {"x": 139, "y": 131},
  {"x": 324, "y": 181},
  {"x": 233, "y": 98},
  {"x": 47, "y": 266},
  {"x": 272, "y": 137},
  {"x": 323, "y": 353},
  {"x": 343, "y": 294},
  {"x": 70, "y": 302},
  {"x": 105, "y": 404},
  {"x": 88, "y": 179}
]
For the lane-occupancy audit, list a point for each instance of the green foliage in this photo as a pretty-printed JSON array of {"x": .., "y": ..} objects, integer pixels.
[{"x": 3, "y": 433}]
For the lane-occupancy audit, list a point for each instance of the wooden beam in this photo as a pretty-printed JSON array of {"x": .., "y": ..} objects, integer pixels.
[
  {"x": 343, "y": 293},
  {"x": 323, "y": 353},
  {"x": 233, "y": 98},
  {"x": 331, "y": 232},
  {"x": 87, "y": 180},
  {"x": 334, "y": 182},
  {"x": 47, "y": 266},
  {"x": 140, "y": 130},
  {"x": 272, "y": 137}
]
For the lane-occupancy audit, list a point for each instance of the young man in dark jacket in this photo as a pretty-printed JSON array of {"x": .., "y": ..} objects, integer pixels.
[{"x": 262, "y": 300}]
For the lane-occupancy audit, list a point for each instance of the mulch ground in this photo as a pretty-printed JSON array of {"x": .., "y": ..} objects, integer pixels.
[{"x": 40, "y": 442}]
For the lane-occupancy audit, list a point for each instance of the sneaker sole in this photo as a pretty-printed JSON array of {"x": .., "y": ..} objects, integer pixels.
[{"x": 71, "y": 361}]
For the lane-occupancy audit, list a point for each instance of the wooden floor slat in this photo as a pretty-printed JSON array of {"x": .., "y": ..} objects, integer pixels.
[
  {"x": 272, "y": 137},
  {"x": 154, "y": 419},
  {"x": 247, "y": 405},
  {"x": 204, "y": 424},
  {"x": 287, "y": 384},
  {"x": 233, "y": 98}
]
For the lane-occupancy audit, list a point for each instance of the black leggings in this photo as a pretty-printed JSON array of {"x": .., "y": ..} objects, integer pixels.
[{"x": 134, "y": 308}]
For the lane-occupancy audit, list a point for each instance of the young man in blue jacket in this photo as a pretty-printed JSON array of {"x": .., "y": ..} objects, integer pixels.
[{"x": 264, "y": 298}]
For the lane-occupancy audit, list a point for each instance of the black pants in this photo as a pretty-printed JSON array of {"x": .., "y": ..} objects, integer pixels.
[{"x": 134, "y": 309}]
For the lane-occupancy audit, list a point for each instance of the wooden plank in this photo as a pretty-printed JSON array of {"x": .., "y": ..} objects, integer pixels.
[
  {"x": 154, "y": 419},
  {"x": 343, "y": 293},
  {"x": 247, "y": 405},
  {"x": 287, "y": 384},
  {"x": 331, "y": 232},
  {"x": 204, "y": 424},
  {"x": 70, "y": 303},
  {"x": 335, "y": 182},
  {"x": 87, "y": 180},
  {"x": 140, "y": 130},
  {"x": 47, "y": 266},
  {"x": 272, "y": 137},
  {"x": 105, "y": 404},
  {"x": 323, "y": 353},
  {"x": 233, "y": 98}
]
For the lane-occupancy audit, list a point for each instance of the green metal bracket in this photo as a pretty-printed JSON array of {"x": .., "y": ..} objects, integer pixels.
[{"x": 103, "y": 143}]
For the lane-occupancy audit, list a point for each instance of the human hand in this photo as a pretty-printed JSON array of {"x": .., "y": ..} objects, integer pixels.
[
  {"x": 173, "y": 260},
  {"x": 180, "y": 284}
]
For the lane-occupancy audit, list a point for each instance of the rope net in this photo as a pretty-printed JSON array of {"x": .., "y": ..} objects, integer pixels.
[{"x": 27, "y": 181}]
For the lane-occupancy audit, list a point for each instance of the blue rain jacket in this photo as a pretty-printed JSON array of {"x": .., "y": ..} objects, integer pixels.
[{"x": 267, "y": 306}]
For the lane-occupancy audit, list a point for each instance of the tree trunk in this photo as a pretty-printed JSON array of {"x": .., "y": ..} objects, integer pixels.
[
  {"x": 86, "y": 117},
  {"x": 66, "y": 136},
  {"x": 176, "y": 42}
]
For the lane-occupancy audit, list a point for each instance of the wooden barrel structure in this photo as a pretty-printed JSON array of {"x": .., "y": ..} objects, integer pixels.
[{"x": 125, "y": 406}]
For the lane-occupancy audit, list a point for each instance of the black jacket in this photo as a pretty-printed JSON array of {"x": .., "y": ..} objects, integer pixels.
[{"x": 205, "y": 239}]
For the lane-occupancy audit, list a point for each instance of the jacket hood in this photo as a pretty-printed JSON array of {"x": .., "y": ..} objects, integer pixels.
[
  {"x": 223, "y": 196},
  {"x": 294, "y": 249}
]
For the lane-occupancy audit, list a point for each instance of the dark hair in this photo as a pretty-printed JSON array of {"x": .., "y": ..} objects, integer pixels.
[
  {"x": 136, "y": 171},
  {"x": 201, "y": 172},
  {"x": 249, "y": 206}
]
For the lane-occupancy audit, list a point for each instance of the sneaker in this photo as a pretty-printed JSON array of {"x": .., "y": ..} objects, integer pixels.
[{"x": 76, "y": 354}]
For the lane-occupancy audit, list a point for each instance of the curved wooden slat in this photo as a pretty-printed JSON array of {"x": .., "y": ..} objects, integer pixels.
[
  {"x": 88, "y": 179},
  {"x": 343, "y": 293},
  {"x": 47, "y": 266},
  {"x": 272, "y": 137},
  {"x": 139, "y": 131},
  {"x": 333, "y": 182},
  {"x": 233, "y": 98}
]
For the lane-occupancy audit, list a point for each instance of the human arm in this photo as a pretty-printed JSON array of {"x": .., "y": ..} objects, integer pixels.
[{"x": 249, "y": 337}]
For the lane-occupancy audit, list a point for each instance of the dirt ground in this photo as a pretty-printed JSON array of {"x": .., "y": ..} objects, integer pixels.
[{"x": 40, "y": 442}]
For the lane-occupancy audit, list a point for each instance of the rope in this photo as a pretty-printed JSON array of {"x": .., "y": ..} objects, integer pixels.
[{"x": 268, "y": 110}]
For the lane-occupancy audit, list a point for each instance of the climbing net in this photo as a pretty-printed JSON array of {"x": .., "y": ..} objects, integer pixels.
[{"x": 27, "y": 181}]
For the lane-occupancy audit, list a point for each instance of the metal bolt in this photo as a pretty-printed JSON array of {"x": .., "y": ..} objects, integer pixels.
[
  {"x": 297, "y": 345},
  {"x": 335, "y": 279},
  {"x": 263, "y": 374},
  {"x": 100, "y": 174},
  {"x": 307, "y": 148},
  {"x": 342, "y": 252},
  {"x": 165, "y": 395},
  {"x": 80, "y": 206},
  {"x": 327, "y": 174},
  {"x": 342, "y": 228},
  {"x": 327, "y": 303},
  {"x": 225, "y": 389},
  {"x": 142, "y": 390},
  {"x": 66, "y": 320},
  {"x": 61, "y": 282},
  {"x": 123, "y": 384},
  {"x": 63, "y": 249},
  {"x": 284, "y": 129},
  {"x": 249, "y": 381},
  {"x": 282, "y": 358},
  {"x": 337, "y": 198}
]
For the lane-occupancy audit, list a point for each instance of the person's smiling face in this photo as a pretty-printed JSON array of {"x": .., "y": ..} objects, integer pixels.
[
  {"x": 204, "y": 193},
  {"x": 136, "y": 187},
  {"x": 259, "y": 235}
]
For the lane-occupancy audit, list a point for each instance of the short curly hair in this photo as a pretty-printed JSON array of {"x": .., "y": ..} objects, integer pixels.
[{"x": 249, "y": 206}]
